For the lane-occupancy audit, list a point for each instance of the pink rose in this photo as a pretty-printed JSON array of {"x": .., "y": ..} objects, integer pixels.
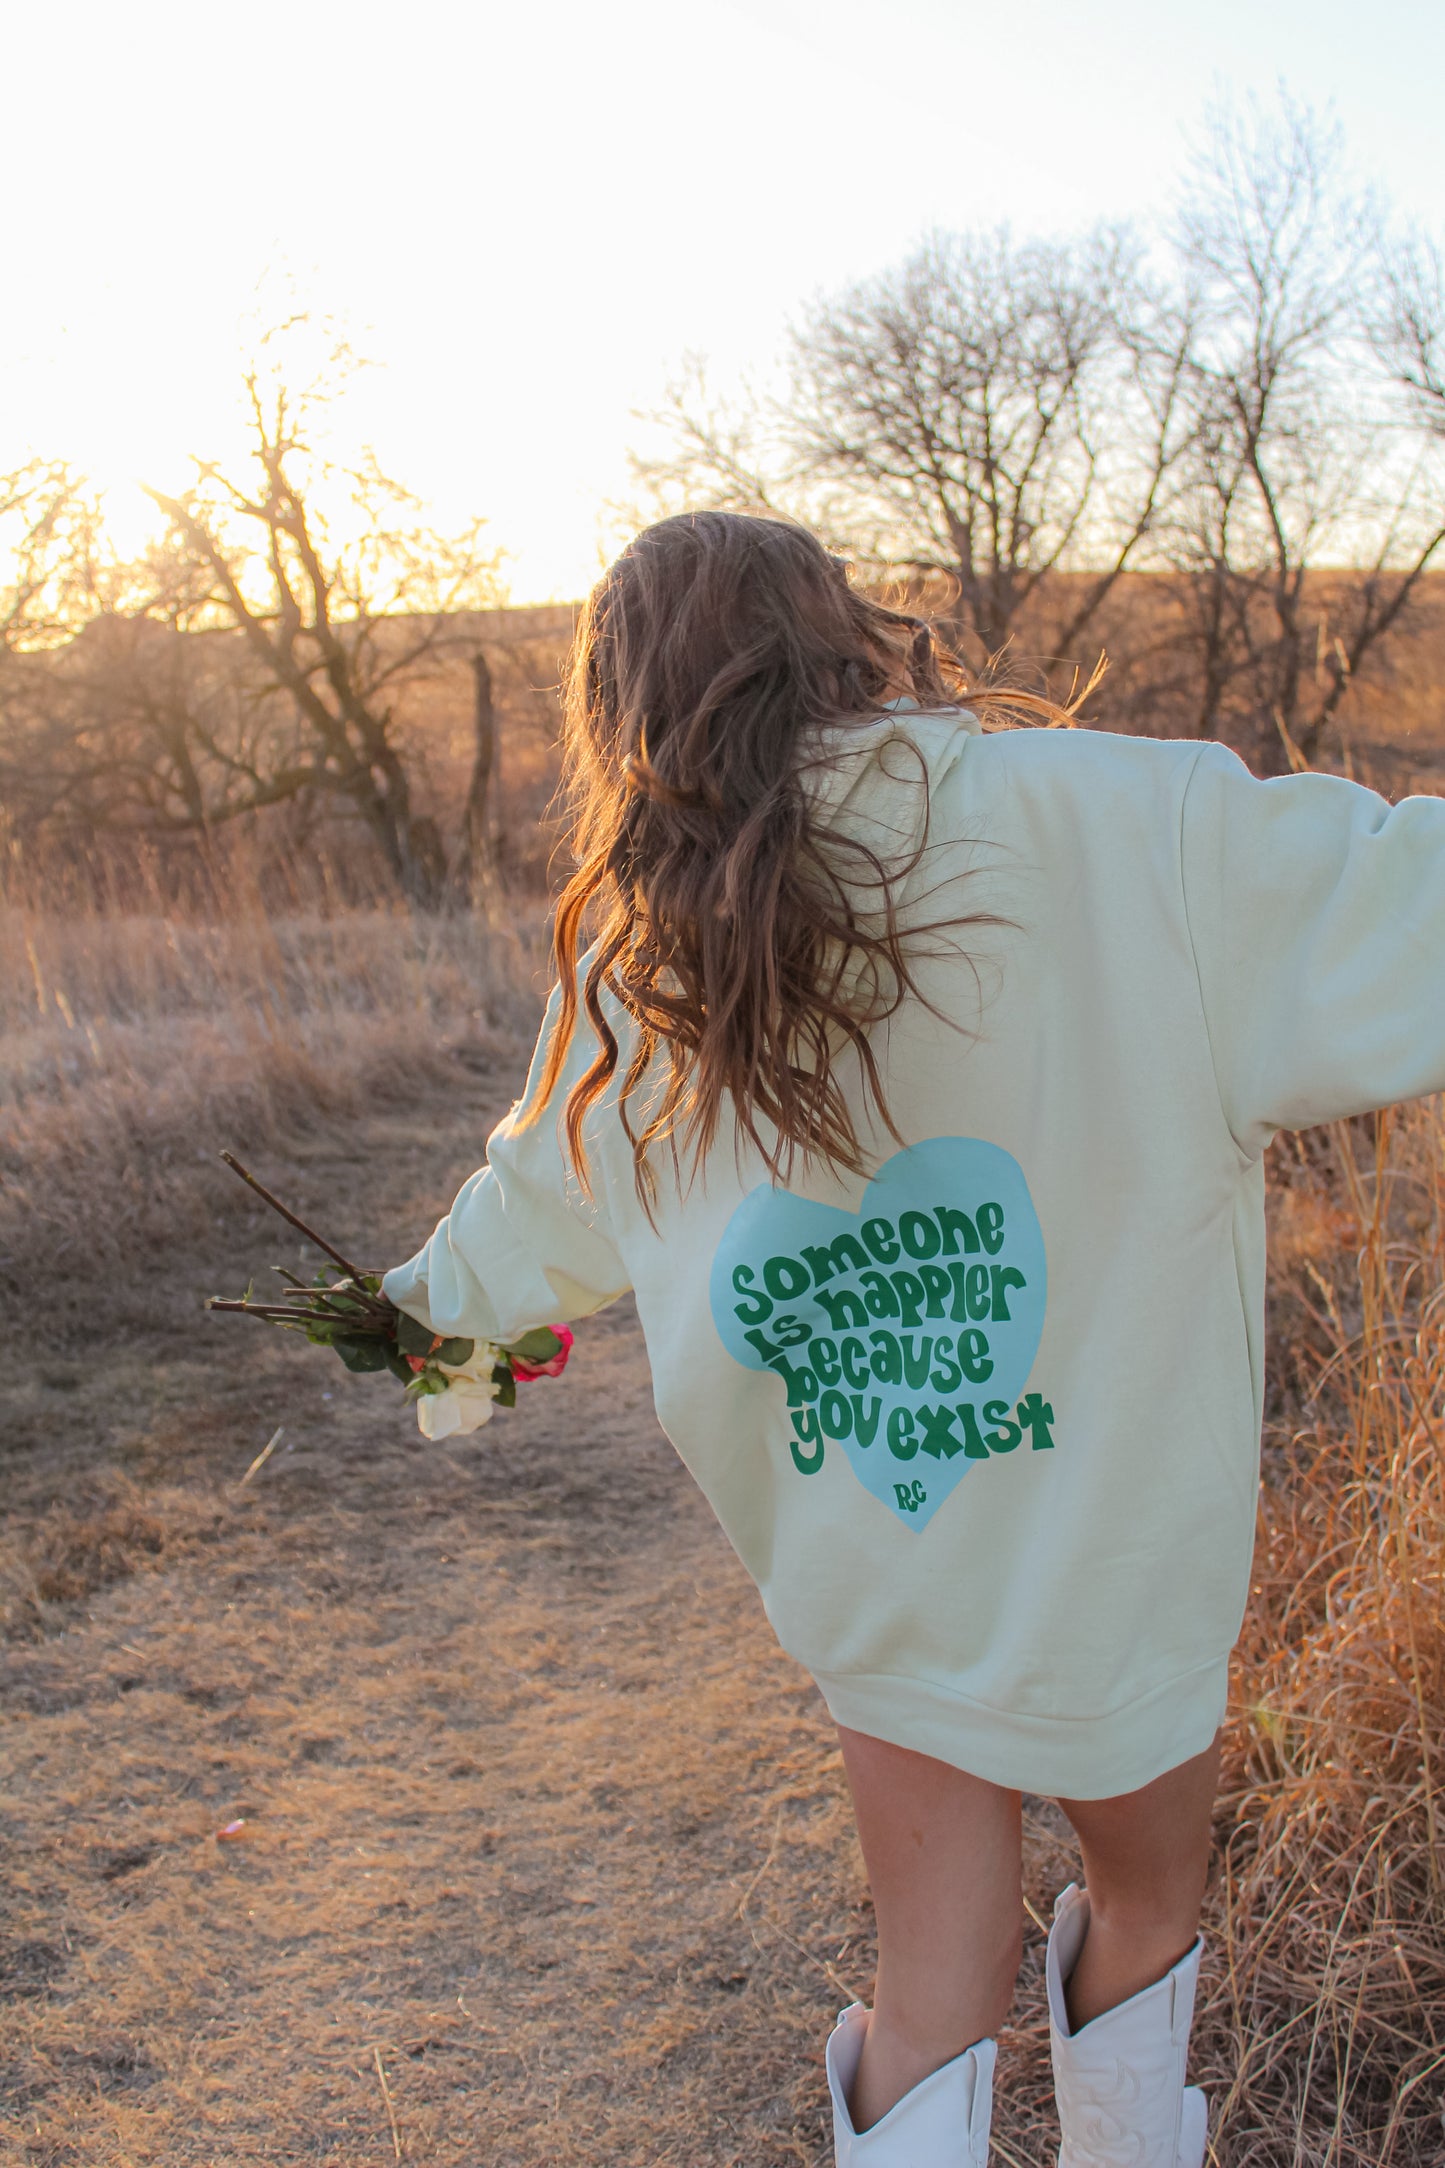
[{"x": 555, "y": 1364}]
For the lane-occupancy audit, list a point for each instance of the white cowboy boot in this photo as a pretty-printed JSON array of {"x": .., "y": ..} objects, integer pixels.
[
  {"x": 942, "y": 2123},
  {"x": 1119, "y": 2080}
]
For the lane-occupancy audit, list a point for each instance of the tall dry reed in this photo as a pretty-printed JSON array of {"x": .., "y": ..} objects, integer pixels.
[{"x": 1327, "y": 2028}]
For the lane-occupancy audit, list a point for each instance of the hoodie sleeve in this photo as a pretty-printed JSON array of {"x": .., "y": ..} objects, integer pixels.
[
  {"x": 1317, "y": 914},
  {"x": 521, "y": 1245}
]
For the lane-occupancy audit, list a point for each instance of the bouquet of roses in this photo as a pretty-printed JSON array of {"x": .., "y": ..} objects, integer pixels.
[{"x": 455, "y": 1383}]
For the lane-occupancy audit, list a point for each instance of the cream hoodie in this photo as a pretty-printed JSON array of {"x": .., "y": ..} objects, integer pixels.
[{"x": 985, "y": 1429}]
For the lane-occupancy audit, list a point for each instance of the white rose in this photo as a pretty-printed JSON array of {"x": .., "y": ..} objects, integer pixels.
[{"x": 469, "y": 1400}]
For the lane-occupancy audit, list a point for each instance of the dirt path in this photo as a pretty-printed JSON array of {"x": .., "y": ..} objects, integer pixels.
[{"x": 546, "y": 1855}]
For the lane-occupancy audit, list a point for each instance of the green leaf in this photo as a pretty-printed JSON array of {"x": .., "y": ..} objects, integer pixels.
[
  {"x": 371, "y": 1281},
  {"x": 506, "y": 1386},
  {"x": 412, "y": 1338},
  {"x": 455, "y": 1352},
  {"x": 359, "y": 1352},
  {"x": 537, "y": 1346},
  {"x": 398, "y": 1365}
]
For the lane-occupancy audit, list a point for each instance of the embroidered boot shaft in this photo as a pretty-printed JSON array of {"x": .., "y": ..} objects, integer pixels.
[
  {"x": 942, "y": 2123},
  {"x": 1119, "y": 2080}
]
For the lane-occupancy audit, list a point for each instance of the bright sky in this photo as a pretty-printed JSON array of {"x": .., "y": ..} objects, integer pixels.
[{"x": 527, "y": 214}]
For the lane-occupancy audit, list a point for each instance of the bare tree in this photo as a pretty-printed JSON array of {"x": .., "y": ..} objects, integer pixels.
[
  {"x": 995, "y": 413},
  {"x": 1253, "y": 413},
  {"x": 989, "y": 417},
  {"x": 1308, "y": 521},
  {"x": 48, "y": 532},
  {"x": 137, "y": 724},
  {"x": 1406, "y": 326},
  {"x": 339, "y": 611},
  {"x": 726, "y": 454},
  {"x": 48, "y": 550},
  {"x": 256, "y": 656},
  {"x": 480, "y": 837}
]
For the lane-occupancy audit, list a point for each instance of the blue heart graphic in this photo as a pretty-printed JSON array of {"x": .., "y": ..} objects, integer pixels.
[{"x": 903, "y": 1332}]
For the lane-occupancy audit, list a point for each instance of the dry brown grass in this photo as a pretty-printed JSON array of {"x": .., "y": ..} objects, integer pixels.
[
  {"x": 1332, "y": 2012},
  {"x": 133, "y": 1044},
  {"x": 535, "y": 1808}
]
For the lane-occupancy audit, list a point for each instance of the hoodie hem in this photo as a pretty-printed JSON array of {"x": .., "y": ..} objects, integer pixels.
[{"x": 1075, "y": 1757}]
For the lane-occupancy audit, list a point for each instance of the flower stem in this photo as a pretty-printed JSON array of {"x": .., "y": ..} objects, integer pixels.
[
  {"x": 299, "y": 1224},
  {"x": 374, "y": 1322}
]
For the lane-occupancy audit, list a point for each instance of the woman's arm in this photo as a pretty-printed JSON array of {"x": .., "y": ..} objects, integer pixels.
[
  {"x": 521, "y": 1245},
  {"x": 1317, "y": 913}
]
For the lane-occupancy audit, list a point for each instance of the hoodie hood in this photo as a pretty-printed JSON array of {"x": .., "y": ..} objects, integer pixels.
[{"x": 867, "y": 782}]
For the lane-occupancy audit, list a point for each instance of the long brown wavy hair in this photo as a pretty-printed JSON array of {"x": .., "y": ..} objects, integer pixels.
[{"x": 728, "y": 919}]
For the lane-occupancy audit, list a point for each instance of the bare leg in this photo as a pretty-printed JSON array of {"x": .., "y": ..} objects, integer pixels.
[
  {"x": 1146, "y": 1858},
  {"x": 942, "y": 1850}
]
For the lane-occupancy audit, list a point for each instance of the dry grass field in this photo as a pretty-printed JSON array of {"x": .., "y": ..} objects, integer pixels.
[{"x": 545, "y": 1850}]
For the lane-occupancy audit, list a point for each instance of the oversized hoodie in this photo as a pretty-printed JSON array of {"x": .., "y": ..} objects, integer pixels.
[{"x": 985, "y": 1428}]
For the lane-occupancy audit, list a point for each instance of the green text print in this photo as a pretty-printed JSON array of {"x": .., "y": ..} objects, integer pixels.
[{"x": 903, "y": 1333}]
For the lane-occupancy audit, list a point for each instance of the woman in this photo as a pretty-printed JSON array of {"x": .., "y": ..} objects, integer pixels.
[{"x": 917, "y": 1080}]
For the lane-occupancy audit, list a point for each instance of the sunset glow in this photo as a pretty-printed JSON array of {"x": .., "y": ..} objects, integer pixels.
[{"x": 527, "y": 234}]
